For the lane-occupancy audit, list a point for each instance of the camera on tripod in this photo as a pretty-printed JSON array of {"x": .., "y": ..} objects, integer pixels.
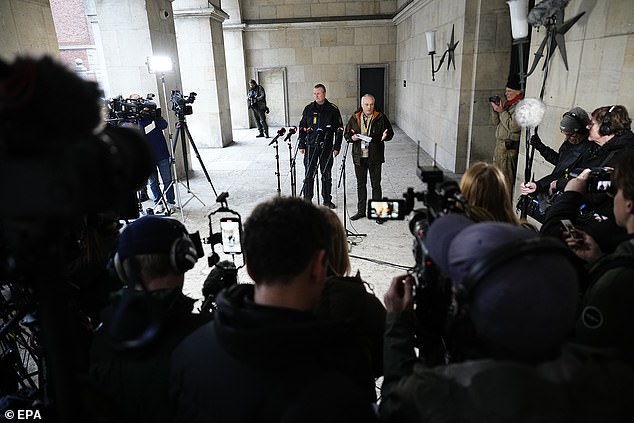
[
  {"x": 181, "y": 104},
  {"x": 132, "y": 109}
]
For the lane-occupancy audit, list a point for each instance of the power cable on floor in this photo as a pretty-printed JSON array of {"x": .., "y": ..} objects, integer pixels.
[{"x": 381, "y": 262}]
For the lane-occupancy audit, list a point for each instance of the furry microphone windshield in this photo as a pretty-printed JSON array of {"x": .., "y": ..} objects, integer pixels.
[
  {"x": 529, "y": 112},
  {"x": 538, "y": 16}
]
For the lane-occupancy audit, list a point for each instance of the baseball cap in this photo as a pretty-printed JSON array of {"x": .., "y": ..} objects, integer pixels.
[
  {"x": 149, "y": 235},
  {"x": 574, "y": 120},
  {"x": 525, "y": 304}
]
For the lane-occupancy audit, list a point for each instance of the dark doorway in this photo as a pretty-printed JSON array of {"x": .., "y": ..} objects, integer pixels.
[{"x": 373, "y": 80}]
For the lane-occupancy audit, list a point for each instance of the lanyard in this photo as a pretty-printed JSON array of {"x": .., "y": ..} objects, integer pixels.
[{"x": 366, "y": 125}]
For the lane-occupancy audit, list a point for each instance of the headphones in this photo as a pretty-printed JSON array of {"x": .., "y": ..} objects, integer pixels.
[
  {"x": 582, "y": 124},
  {"x": 483, "y": 267},
  {"x": 606, "y": 127},
  {"x": 182, "y": 254}
]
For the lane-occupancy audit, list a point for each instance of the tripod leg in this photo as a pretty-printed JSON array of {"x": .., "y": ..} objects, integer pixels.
[{"x": 191, "y": 141}]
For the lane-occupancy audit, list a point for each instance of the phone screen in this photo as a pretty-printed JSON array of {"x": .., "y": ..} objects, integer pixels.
[
  {"x": 230, "y": 231},
  {"x": 569, "y": 228},
  {"x": 386, "y": 209}
]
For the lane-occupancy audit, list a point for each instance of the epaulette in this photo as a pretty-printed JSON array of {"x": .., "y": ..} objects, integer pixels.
[{"x": 335, "y": 106}]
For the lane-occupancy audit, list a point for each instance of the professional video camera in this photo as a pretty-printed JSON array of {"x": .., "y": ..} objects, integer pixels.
[
  {"x": 432, "y": 291},
  {"x": 181, "y": 104},
  {"x": 132, "y": 109}
]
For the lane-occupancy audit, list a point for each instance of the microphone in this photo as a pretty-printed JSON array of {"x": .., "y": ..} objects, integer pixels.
[
  {"x": 351, "y": 132},
  {"x": 291, "y": 131},
  {"x": 340, "y": 129},
  {"x": 529, "y": 112},
  {"x": 280, "y": 132},
  {"x": 538, "y": 16}
]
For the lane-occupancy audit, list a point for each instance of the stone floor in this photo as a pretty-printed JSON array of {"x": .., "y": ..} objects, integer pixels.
[{"x": 247, "y": 171}]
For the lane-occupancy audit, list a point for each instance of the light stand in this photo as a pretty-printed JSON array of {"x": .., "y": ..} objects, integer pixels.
[
  {"x": 342, "y": 177},
  {"x": 519, "y": 28},
  {"x": 280, "y": 132}
]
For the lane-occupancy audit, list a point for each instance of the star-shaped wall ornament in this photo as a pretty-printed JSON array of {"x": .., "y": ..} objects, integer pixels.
[
  {"x": 556, "y": 29},
  {"x": 449, "y": 53}
]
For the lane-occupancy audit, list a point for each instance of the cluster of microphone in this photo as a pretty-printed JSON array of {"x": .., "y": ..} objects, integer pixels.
[{"x": 305, "y": 130}]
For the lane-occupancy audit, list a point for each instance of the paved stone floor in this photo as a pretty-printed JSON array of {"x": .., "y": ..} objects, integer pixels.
[{"x": 247, "y": 171}]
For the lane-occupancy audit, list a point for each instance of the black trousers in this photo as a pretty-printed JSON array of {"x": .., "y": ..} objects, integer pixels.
[
  {"x": 313, "y": 157},
  {"x": 260, "y": 120},
  {"x": 361, "y": 172}
]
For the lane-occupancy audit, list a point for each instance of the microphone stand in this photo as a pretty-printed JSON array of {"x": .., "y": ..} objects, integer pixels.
[
  {"x": 291, "y": 162},
  {"x": 342, "y": 176},
  {"x": 310, "y": 149},
  {"x": 277, "y": 159}
]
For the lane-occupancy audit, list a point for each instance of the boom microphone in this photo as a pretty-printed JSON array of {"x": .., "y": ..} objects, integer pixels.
[
  {"x": 529, "y": 112},
  {"x": 538, "y": 16}
]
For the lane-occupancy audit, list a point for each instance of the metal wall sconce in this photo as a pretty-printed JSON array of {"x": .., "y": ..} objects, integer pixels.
[
  {"x": 519, "y": 30},
  {"x": 431, "y": 50}
]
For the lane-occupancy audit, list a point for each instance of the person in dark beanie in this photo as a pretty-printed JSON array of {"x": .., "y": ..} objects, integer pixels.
[
  {"x": 131, "y": 352},
  {"x": 514, "y": 304},
  {"x": 266, "y": 356},
  {"x": 507, "y": 131},
  {"x": 573, "y": 126}
]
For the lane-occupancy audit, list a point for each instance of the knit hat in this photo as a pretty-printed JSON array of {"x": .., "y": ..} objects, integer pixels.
[
  {"x": 149, "y": 235},
  {"x": 525, "y": 304},
  {"x": 574, "y": 120},
  {"x": 514, "y": 82}
]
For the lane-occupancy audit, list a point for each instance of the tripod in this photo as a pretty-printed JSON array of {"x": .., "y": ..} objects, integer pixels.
[
  {"x": 314, "y": 150},
  {"x": 342, "y": 177},
  {"x": 182, "y": 132},
  {"x": 281, "y": 132}
]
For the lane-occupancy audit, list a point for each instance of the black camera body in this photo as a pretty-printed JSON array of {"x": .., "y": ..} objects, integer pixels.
[
  {"x": 181, "y": 104},
  {"x": 600, "y": 178},
  {"x": 127, "y": 109},
  {"x": 494, "y": 99}
]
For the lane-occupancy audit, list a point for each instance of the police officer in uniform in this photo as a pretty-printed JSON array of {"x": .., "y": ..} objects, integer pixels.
[{"x": 320, "y": 135}]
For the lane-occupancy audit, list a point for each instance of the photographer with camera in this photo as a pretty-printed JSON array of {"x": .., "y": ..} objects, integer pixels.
[
  {"x": 152, "y": 125},
  {"x": 607, "y": 315},
  {"x": 507, "y": 131},
  {"x": 573, "y": 125},
  {"x": 611, "y": 135},
  {"x": 131, "y": 351},
  {"x": 256, "y": 96},
  {"x": 514, "y": 303}
]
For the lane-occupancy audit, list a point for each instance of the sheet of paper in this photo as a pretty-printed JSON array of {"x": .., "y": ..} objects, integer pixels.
[
  {"x": 365, "y": 137},
  {"x": 150, "y": 127}
]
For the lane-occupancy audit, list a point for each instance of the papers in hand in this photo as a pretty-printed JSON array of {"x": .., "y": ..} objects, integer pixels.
[{"x": 364, "y": 137}]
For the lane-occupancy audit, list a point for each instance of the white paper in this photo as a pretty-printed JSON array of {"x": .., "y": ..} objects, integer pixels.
[
  {"x": 365, "y": 137},
  {"x": 149, "y": 127}
]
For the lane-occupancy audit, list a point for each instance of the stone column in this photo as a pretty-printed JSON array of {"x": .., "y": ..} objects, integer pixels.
[{"x": 201, "y": 44}]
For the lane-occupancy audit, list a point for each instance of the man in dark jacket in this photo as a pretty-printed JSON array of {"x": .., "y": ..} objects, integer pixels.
[
  {"x": 607, "y": 315},
  {"x": 266, "y": 356},
  {"x": 320, "y": 135},
  {"x": 368, "y": 155},
  {"x": 130, "y": 355},
  {"x": 256, "y": 97}
]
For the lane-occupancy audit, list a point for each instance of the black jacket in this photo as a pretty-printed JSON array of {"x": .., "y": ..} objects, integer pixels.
[
  {"x": 257, "y": 363},
  {"x": 321, "y": 123},
  {"x": 376, "y": 149},
  {"x": 564, "y": 160},
  {"x": 136, "y": 381}
]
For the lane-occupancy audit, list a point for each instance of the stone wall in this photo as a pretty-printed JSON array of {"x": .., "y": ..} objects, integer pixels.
[{"x": 27, "y": 28}]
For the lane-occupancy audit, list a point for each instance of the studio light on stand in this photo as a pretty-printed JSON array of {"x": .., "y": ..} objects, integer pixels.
[{"x": 162, "y": 65}]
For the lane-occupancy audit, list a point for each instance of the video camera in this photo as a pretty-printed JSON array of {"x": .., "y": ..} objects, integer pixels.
[
  {"x": 432, "y": 291},
  {"x": 181, "y": 104},
  {"x": 132, "y": 109},
  {"x": 599, "y": 181}
]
